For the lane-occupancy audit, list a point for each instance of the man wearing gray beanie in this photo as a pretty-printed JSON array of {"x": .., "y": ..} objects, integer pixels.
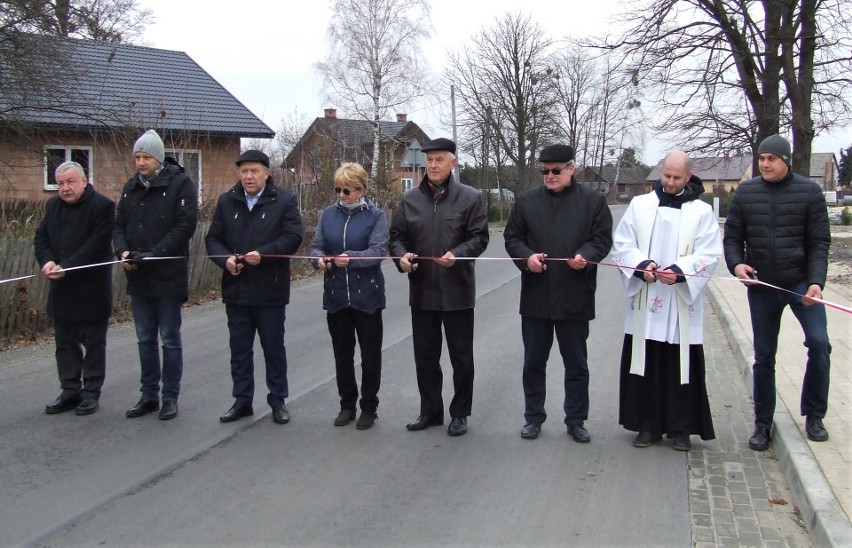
[
  {"x": 156, "y": 217},
  {"x": 777, "y": 231}
]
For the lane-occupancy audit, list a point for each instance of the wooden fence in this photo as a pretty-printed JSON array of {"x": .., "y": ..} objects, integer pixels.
[{"x": 22, "y": 304}]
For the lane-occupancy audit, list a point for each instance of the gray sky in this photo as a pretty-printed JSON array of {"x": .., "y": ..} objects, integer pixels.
[{"x": 262, "y": 51}]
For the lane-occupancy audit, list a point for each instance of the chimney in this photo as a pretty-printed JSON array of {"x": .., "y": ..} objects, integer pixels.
[
  {"x": 330, "y": 112},
  {"x": 401, "y": 117}
]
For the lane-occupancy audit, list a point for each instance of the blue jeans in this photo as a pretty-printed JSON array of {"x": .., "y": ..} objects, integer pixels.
[
  {"x": 766, "y": 307},
  {"x": 153, "y": 316},
  {"x": 571, "y": 335},
  {"x": 268, "y": 322}
]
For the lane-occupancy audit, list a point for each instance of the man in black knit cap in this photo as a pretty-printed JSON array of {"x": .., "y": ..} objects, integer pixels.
[{"x": 777, "y": 231}]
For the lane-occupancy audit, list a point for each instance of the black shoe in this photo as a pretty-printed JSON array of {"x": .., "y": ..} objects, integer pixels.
[
  {"x": 280, "y": 415},
  {"x": 87, "y": 406},
  {"x": 642, "y": 439},
  {"x": 62, "y": 404},
  {"x": 759, "y": 440},
  {"x": 142, "y": 407},
  {"x": 423, "y": 422},
  {"x": 580, "y": 434},
  {"x": 457, "y": 427},
  {"x": 344, "y": 417},
  {"x": 681, "y": 442},
  {"x": 236, "y": 412},
  {"x": 814, "y": 428},
  {"x": 531, "y": 430},
  {"x": 169, "y": 410},
  {"x": 366, "y": 420}
]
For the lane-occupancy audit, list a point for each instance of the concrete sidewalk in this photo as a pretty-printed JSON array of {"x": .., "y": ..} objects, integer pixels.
[{"x": 819, "y": 473}]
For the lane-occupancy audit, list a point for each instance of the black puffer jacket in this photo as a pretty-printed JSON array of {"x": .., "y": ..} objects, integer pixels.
[
  {"x": 272, "y": 227},
  {"x": 160, "y": 220},
  {"x": 779, "y": 229}
]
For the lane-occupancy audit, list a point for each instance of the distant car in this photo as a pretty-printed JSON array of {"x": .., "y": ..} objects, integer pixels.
[{"x": 847, "y": 200}]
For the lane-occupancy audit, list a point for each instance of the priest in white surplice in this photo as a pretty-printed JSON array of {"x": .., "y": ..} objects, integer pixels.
[{"x": 668, "y": 244}]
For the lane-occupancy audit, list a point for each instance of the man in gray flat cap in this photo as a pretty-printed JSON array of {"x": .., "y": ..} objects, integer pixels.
[
  {"x": 563, "y": 220},
  {"x": 442, "y": 219},
  {"x": 777, "y": 230}
]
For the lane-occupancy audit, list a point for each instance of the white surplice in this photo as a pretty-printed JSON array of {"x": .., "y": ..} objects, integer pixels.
[{"x": 689, "y": 238}]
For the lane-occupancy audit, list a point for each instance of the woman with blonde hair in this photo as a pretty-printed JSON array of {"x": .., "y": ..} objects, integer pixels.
[{"x": 350, "y": 243}]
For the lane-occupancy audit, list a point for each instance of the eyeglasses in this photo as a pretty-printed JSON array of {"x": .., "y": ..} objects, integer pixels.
[
  {"x": 345, "y": 191},
  {"x": 557, "y": 171}
]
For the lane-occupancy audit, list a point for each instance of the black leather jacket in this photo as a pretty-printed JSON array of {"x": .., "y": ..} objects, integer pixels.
[{"x": 457, "y": 223}]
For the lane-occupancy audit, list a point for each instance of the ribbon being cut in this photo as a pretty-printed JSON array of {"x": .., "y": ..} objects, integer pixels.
[{"x": 835, "y": 306}]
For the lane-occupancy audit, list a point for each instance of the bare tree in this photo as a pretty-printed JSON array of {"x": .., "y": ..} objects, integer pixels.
[
  {"x": 101, "y": 20},
  {"x": 507, "y": 69},
  {"x": 374, "y": 63},
  {"x": 728, "y": 73},
  {"x": 597, "y": 98}
]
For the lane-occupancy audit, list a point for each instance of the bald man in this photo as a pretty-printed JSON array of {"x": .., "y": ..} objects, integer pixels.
[{"x": 668, "y": 244}]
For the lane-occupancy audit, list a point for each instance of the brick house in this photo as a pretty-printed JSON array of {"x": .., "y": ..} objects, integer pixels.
[
  {"x": 330, "y": 141},
  {"x": 119, "y": 91}
]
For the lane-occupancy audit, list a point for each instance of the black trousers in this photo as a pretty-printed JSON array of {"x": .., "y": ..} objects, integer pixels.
[
  {"x": 268, "y": 322},
  {"x": 81, "y": 374},
  {"x": 538, "y": 339},
  {"x": 343, "y": 326},
  {"x": 458, "y": 329}
]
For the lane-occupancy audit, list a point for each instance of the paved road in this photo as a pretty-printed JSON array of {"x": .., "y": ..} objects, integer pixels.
[{"x": 107, "y": 479}]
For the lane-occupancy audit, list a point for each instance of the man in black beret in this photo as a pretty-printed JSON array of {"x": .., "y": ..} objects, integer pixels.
[
  {"x": 559, "y": 227},
  {"x": 254, "y": 222},
  {"x": 440, "y": 219}
]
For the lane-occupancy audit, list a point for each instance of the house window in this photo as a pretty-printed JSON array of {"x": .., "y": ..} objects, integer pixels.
[
  {"x": 407, "y": 184},
  {"x": 55, "y": 155},
  {"x": 191, "y": 162}
]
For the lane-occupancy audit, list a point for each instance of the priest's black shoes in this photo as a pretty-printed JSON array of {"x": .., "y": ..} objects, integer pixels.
[
  {"x": 642, "y": 440},
  {"x": 280, "y": 415},
  {"x": 236, "y": 412},
  {"x": 62, "y": 404},
  {"x": 578, "y": 433},
  {"x": 142, "y": 407},
  {"x": 169, "y": 410},
  {"x": 423, "y": 422}
]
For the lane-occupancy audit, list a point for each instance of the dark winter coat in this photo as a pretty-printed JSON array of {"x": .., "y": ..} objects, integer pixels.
[
  {"x": 272, "y": 227},
  {"x": 360, "y": 232},
  {"x": 459, "y": 224},
  {"x": 779, "y": 229},
  {"x": 73, "y": 235},
  {"x": 561, "y": 225},
  {"x": 159, "y": 220}
]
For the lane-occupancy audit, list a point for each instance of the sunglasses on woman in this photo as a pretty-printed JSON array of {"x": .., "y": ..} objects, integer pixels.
[{"x": 345, "y": 191}]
